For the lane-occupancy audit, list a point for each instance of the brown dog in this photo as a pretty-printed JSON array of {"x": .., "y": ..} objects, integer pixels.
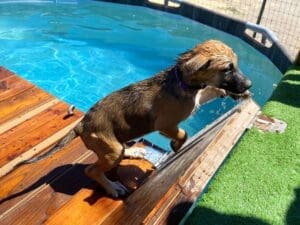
[{"x": 159, "y": 103}]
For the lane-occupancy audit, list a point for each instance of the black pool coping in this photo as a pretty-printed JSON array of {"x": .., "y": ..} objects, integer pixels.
[{"x": 276, "y": 53}]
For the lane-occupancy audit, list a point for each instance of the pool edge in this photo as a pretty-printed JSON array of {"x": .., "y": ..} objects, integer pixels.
[{"x": 277, "y": 53}]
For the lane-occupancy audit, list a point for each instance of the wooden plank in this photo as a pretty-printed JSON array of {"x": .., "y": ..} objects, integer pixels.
[
  {"x": 54, "y": 112},
  {"x": 35, "y": 130},
  {"x": 37, "y": 149},
  {"x": 192, "y": 183},
  {"x": 22, "y": 103},
  {"x": 13, "y": 85},
  {"x": 101, "y": 208},
  {"x": 73, "y": 190},
  {"x": 178, "y": 193},
  {"x": 16, "y": 186},
  {"x": 62, "y": 178},
  {"x": 132, "y": 173},
  {"x": 25, "y": 116},
  {"x": 164, "y": 204},
  {"x": 172, "y": 211},
  {"x": 57, "y": 111},
  {"x": 4, "y": 73},
  {"x": 225, "y": 140}
]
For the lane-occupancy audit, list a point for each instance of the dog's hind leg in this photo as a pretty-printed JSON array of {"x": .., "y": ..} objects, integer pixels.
[
  {"x": 112, "y": 188},
  {"x": 177, "y": 135},
  {"x": 109, "y": 153}
]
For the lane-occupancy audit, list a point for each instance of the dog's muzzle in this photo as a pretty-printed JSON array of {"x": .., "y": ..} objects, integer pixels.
[
  {"x": 236, "y": 83},
  {"x": 248, "y": 84}
]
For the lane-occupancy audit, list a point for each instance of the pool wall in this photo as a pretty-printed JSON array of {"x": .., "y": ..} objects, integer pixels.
[{"x": 276, "y": 52}]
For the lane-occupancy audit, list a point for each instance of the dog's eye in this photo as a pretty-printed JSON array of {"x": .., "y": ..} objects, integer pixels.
[{"x": 228, "y": 69}]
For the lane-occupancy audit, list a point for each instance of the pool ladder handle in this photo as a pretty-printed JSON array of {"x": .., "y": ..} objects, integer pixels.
[{"x": 256, "y": 28}]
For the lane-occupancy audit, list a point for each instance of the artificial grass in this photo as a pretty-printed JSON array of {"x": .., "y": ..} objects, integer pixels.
[{"x": 260, "y": 182}]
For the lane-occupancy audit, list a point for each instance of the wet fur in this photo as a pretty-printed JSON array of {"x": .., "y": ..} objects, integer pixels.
[{"x": 156, "y": 104}]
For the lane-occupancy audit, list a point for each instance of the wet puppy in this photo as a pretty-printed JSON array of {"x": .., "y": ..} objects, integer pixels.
[{"x": 159, "y": 103}]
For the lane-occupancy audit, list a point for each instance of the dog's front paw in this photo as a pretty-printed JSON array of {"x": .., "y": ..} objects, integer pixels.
[
  {"x": 246, "y": 94},
  {"x": 222, "y": 93},
  {"x": 176, "y": 144},
  {"x": 117, "y": 190},
  {"x": 135, "y": 152}
]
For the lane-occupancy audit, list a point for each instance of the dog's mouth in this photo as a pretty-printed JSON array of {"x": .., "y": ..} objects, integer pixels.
[
  {"x": 237, "y": 96},
  {"x": 236, "y": 84}
]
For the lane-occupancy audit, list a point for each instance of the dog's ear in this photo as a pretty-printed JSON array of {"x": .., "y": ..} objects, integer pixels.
[
  {"x": 198, "y": 62},
  {"x": 192, "y": 63}
]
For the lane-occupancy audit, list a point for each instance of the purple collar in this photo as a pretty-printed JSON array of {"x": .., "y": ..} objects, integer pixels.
[{"x": 184, "y": 86}]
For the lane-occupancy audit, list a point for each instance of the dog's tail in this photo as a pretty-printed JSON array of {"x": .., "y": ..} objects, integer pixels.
[{"x": 62, "y": 143}]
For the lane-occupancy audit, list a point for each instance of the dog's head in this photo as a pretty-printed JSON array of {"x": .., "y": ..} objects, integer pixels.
[{"x": 213, "y": 63}]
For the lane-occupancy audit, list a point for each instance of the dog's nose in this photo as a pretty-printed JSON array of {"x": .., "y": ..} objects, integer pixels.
[{"x": 248, "y": 84}]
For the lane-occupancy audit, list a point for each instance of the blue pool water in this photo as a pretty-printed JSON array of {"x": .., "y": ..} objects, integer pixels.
[{"x": 82, "y": 52}]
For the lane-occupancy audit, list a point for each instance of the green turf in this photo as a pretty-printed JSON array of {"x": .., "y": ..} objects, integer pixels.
[{"x": 260, "y": 182}]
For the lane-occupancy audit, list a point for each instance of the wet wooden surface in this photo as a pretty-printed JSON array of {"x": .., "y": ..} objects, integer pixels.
[
  {"x": 56, "y": 191},
  {"x": 190, "y": 184},
  {"x": 31, "y": 122}
]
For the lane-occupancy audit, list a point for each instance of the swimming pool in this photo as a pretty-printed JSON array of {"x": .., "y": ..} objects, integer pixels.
[{"x": 82, "y": 52}]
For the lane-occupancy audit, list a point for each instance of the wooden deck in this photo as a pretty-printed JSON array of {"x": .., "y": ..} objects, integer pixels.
[{"x": 56, "y": 191}]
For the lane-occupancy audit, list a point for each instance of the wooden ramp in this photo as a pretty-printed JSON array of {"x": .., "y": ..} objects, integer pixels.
[{"x": 56, "y": 191}]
